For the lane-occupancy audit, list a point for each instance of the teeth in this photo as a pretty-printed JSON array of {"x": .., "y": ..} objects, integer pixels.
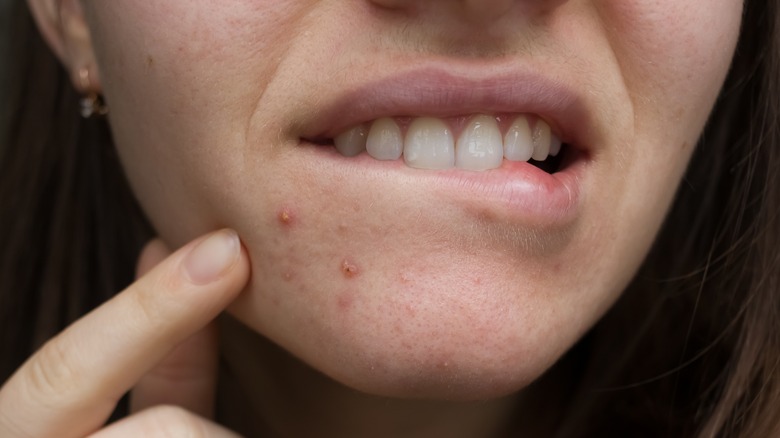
[
  {"x": 518, "y": 144},
  {"x": 541, "y": 138},
  {"x": 352, "y": 142},
  {"x": 384, "y": 140},
  {"x": 429, "y": 145},
  {"x": 480, "y": 146},
  {"x": 555, "y": 145}
]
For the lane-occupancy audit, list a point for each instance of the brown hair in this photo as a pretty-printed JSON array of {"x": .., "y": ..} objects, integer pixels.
[
  {"x": 692, "y": 348},
  {"x": 69, "y": 228}
]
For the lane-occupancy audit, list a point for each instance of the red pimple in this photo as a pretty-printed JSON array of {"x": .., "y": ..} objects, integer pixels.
[
  {"x": 344, "y": 302},
  {"x": 285, "y": 216},
  {"x": 349, "y": 269}
]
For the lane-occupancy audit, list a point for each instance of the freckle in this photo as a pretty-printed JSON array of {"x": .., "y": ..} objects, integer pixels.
[
  {"x": 349, "y": 269},
  {"x": 149, "y": 61}
]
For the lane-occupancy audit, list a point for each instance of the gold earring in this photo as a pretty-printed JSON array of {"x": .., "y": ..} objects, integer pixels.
[{"x": 92, "y": 104}]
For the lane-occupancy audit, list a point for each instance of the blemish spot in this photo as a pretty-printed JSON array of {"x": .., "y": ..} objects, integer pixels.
[
  {"x": 149, "y": 61},
  {"x": 344, "y": 302},
  {"x": 349, "y": 269},
  {"x": 287, "y": 276},
  {"x": 285, "y": 217}
]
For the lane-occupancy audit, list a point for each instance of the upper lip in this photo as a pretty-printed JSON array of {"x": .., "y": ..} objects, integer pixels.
[{"x": 441, "y": 90}]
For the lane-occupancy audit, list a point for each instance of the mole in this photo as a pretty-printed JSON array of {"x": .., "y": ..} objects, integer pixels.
[{"x": 349, "y": 269}]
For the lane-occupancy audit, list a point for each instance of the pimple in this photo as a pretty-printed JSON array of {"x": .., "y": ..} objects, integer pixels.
[
  {"x": 345, "y": 301},
  {"x": 285, "y": 217},
  {"x": 349, "y": 269}
]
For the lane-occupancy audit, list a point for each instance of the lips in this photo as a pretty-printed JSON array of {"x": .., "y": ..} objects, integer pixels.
[{"x": 424, "y": 114}]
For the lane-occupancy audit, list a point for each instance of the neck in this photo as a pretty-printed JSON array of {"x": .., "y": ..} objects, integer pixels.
[{"x": 266, "y": 392}]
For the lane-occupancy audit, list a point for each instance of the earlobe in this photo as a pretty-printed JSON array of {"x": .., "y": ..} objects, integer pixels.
[{"x": 62, "y": 24}]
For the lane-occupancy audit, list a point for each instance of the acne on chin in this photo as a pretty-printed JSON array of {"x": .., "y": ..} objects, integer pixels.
[{"x": 410, "y": 332}]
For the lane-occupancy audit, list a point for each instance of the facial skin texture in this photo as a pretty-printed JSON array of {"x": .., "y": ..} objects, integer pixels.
[{"x": 368, "y": 274}]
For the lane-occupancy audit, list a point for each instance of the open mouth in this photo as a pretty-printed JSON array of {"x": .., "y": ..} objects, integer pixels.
[{"x": 477, "y": 142}]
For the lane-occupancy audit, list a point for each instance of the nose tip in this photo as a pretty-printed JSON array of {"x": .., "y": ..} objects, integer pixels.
[{"x": 475, "y": 11}]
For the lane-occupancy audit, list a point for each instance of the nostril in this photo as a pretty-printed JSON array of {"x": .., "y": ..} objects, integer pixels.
[
  {"x": 393, "y": 4},
  {"x": 473, "y": 11}
]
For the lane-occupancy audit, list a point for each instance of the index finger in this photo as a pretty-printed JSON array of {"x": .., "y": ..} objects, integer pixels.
[{"x": 71, "y": 385}]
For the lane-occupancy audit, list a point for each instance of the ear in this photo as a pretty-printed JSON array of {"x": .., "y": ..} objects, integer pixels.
[{"x": 62, "y": 24}]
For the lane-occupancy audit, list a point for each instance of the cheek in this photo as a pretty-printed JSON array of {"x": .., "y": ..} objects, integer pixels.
[
  {"x": 181, "y": 81},
  {"x": 673, "y": 54},
  {"x": 673, "y": 57}
]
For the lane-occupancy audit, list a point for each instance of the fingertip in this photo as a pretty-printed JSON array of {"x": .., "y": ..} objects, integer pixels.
[{"x": 213, "y": 257}]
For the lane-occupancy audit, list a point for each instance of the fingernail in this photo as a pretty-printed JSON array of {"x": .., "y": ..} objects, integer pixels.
[{"x": 211, "y": 258}]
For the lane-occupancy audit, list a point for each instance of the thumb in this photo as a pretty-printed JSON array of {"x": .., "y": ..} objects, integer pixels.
[{"x": 187, "y": 376}]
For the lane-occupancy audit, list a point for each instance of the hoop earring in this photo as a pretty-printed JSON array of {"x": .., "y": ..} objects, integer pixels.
[{"x": 92, "y": 103}]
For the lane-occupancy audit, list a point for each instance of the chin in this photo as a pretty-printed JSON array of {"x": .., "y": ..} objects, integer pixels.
[{"x": 423, "y": 330}]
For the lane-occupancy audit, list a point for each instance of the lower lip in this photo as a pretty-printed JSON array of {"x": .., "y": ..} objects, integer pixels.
[{"x": 515, "y": 193}]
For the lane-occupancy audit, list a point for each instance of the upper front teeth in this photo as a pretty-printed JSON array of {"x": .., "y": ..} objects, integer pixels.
[
  {"x": 480, "y": 146},
  {"x": 430, "y": 144}
]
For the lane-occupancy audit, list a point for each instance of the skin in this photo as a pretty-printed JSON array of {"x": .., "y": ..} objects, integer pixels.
[{"x": 208, "y": 105}]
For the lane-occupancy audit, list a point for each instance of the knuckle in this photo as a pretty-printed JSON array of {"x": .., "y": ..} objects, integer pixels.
[
  {"x": 154, "y": 299},
  {"x": 169, "y": 421},
  {"x": 148, "y": 306},
  {"x": 52, "y": 373},
  {"x": 11, "y": 427}
]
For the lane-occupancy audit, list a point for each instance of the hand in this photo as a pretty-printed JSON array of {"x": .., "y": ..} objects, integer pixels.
[{"x": 155, "y": 335}]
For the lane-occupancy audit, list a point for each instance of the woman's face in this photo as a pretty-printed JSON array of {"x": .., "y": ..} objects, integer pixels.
[{"x": 391, "y": 277}]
